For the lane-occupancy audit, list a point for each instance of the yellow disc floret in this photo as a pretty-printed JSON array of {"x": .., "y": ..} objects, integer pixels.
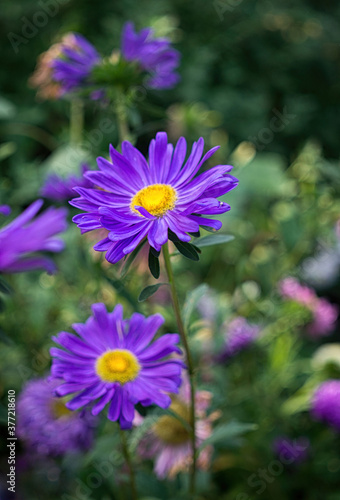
[
  {"x": 59, "y": 409},
  {"x": 118, "y": 365},
  {"x": 157, "y": 199}
]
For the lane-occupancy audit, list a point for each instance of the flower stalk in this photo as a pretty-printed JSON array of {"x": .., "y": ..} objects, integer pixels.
[
  {"x": 122, "y": 120},
  {"x": 190, "y": 365},
  {"x": 128, "y": 461},
  {"x": 76, "y": 122}
]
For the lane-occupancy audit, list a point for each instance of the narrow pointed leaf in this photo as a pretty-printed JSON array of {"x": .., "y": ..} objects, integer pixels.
[
  {"x": 187, "y": 249},
  {"x": 154, "y": 265},
  {"x": 213, "y": 239},
  {"x": 148, "y": 291}
]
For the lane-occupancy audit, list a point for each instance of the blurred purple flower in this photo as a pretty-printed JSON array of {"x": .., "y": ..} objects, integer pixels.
[
  {"x": 291, "y": 451},
  {"x": 5, "y": 209},
  {"x": 59, "y": 188},
  {"x": 73, "y": 67},
  {"x": 23, "y": 237},
  {"x": 239, "y": 336},
  {"x": 45, "y": 424},
  {"x": 139, "y": 199},
  {"x": 168, "y": 442},
  {"x": 326, "y": 403},
  {"x": 324, "y": 313},
  {"x": 114, "y": 361},
  {"x": 154, "y": 55}
]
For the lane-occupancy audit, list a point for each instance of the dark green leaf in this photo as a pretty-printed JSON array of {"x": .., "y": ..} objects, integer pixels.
[
  {"x": 148, "y": 291},
  {"x": 214, "y": 239},
  {"x": 154, "y": 252},
  {"x": 4, "y": 287},
  {"x": 187, "y": 249},
  {"x": 154, "y": 265},
  {"x": 172, "y": 236}
]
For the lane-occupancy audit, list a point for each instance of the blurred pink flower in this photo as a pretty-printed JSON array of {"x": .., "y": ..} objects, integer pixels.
[
  {"x": 168, "y": 441},
  {"x": 324, "y": 313}
]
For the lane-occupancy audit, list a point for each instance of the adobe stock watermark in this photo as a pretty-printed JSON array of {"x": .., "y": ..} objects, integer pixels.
[
  {"x": 278, "y": 122},
  {"x": 291, "y": 452},
  {"x": 30, "y": 27},
  {"x": 223, "y": 6},
  {"x": 104, "y": 469}
]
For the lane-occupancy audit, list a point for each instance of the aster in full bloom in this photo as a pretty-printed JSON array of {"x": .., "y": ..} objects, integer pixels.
[
  {"x": 239, "y": 336},
  {"x": 46, "y": 426},
  {"x": 114, "y": 361},
  {"x": 153, "y": 55},
  {"x": 22, "y": 238},
  {"x": 139, "y": 199},
  {"x": 326, "y": 403},
  {"x": 323, "y": 312},
  {"x": 168, "y": 442},
  {"x": 291, "y": 451},
  {"x": 73, "y": 66},
  {"x": 59, "y": 188}
]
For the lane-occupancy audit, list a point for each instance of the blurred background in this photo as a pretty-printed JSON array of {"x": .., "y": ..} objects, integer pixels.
[{"x": 262, "y": 79}]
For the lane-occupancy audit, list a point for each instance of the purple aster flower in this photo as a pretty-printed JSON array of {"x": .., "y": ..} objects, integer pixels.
[
  {"x": 291, "y": 451},
  {"x": 59, "y": 188},
  {"x": 324, "y": 313},
  {"x": 46, "y": 425},
  {"x": 326, "y": 403},
  {"x": 23, "y": 237},
  {"x": 154, "y": 55},
  {"x": 5, "y": 209},
  {"x": 113, "y": 361},
  {"x": 239, "y": 336},
  {"x": 139, "y": 199},
  {"x": 73, "y": 67}
]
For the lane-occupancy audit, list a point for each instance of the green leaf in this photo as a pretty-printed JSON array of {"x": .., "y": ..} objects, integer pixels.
[
  {"x": 154, "y": 252},
  {"x": 7, "y": 149},
  {"x": 154, "y": 265},
  {"x": 4, "y": 287},
  {"x": 191, "y": 301},
  {"x": 208, "y": 229},
  {"x": 213, "y": 239},
  {"x": 225, "y": 432},
  {"x": 187, "y": 249},
  {"x": 148, "y": 291},
  {"x": 131, "y": 258}
]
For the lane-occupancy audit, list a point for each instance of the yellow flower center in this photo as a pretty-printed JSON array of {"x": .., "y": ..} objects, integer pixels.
[
  {"x": 59, "y": 409},
  {"x": 118, "y": 365},
  {"x": 169, "y": 429},
  {"x": 157, "y": 199}
]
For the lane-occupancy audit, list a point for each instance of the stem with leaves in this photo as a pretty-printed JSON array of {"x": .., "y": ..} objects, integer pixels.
[
  {"x": 181, "y": 329},
  {"x": 128, "y": 461}
]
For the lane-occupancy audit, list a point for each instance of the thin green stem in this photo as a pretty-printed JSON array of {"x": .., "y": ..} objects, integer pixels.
[
  {"x": 128, "y": 460},
  {"x": 122, "y": 120},
  {"x": 76, "y": 122},
  {"x": 181, "y": 329}
]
